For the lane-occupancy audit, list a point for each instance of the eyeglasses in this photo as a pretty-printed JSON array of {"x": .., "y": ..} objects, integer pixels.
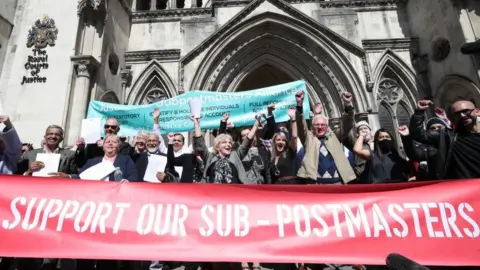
[
  {"x": 464, "y": 112},
  {"x": 110, "y": 126}
]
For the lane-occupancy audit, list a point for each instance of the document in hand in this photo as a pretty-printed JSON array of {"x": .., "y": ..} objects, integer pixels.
[
  {"x": 51, "y": 162},
  {"x": 98, "y": 172},
  {"x": 156, "y": 164},
  {"x": 91, "y": 130}
]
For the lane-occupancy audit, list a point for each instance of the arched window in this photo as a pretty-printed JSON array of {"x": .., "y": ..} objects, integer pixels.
[
  {"x": 392, "y": 111},
  {"x": 143, "y": 5},
  {"x": 386, "y": 118},
  {"x": 403, "y": 117}
]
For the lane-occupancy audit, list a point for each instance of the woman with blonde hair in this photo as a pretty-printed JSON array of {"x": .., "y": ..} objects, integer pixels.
[
  {"x": 284, "y": 154},
  {"x": 223, "y": 165}
]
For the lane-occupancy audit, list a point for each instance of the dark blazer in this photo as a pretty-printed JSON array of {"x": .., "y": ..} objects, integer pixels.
[
  {"x": 141, "y": 162},
  {"x": 67, "y": 163},
  {"x": 125, "y": 164},
  {"x": 92, "y": 150},
  {"x": 187, "y": 161}
]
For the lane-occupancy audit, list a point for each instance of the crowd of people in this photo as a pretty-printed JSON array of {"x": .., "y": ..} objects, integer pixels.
[{"x": 300, "y": 151}]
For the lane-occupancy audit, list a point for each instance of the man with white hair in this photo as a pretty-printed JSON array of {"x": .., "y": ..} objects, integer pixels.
[{"x": 326, "y": 160}]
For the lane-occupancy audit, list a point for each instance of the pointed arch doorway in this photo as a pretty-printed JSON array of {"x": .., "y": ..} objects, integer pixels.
[{"x": 264, "y": 76}]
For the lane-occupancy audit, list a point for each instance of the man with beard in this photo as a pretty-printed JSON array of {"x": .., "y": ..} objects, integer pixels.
[
  {"x": 459, "y": 149},
  {"x": 86, "y": 152}
]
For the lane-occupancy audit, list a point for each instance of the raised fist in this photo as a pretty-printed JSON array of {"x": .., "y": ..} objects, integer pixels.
[
  {"x": 422, "y": 105},
  {"x": 347, "y": 97},
  {"x": 403, "y": 131}
]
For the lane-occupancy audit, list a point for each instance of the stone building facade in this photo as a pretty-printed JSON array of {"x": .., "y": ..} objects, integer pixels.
[{"x": 388, "y": 53}]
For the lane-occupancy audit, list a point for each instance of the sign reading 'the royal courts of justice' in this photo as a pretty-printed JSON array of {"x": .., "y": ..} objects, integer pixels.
[{"x": 42, "y": 34}]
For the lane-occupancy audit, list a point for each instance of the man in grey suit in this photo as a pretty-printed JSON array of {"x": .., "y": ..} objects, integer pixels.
[
  {"x": 67, "y": 166},
  {"x": 53, "y": 138}
]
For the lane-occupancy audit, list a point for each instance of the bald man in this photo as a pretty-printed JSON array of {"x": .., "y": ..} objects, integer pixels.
[{"x": 459, "y": 149}]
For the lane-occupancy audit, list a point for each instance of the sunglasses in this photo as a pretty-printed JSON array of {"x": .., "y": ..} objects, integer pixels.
[{"x": 109, "y": 126}]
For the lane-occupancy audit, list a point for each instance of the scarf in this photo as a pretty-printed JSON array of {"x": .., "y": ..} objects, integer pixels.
[{"x": 223, "y": 171}]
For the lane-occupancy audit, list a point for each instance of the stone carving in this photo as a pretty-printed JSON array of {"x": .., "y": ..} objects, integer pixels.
[
  {"x": 155, "y": 95},
  {"x": 161, "y": 55},
  {"x": 395, "y": 44},
  {"x": 43, "y": 33},
  {"x": 295, "y": 13},
  {"x": 169, "y": 14},
  {"x": 389, "y": 91},
  {"x": 83, "y": 68},
  {"x": 440, "y": 49},
  {"x": 126, "y": 75},
  {"x": 94, "y": 4},
  {"x": 420, "y": 63}
]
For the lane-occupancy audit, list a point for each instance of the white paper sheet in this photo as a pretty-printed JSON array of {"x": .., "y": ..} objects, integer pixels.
[
  {"x": 91, "y": 130},
  {"x": 195, "y": 107},
  {"x": 156, "y": 164},
  {"x": 179, "y": 170},
  {"x": 98, "y": 172},
  {"x": 51, "y": 162}
]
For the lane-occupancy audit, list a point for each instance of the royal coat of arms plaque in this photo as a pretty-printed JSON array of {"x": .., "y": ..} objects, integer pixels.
[{"x": 43, "y": 33}]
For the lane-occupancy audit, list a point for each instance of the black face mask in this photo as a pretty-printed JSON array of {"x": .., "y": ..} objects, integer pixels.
[{"x": 385, "y": 145}]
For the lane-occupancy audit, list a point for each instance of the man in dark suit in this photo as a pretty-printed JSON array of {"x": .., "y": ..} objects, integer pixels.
[
  {"x": 86, "y": 152},
  {"x": 67, "y": 166}
]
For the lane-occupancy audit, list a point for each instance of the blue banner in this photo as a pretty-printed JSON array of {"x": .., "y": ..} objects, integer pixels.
[{"x": 175, "y": 112}]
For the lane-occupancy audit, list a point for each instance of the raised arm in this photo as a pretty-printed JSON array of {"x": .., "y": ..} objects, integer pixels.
[
  {"x": 271, "y": 124},
  {"x": 302, "y": 128},
  {"x": 358, "y": 147},
  {"x": 13, "y": 145},
  {"x": 199, "y": 145},
  {"x": 242, "y": 150},
  {"x": 417, "y": 125},
  {"x": 293, "y": 129},
  {"x": 413, "y": 153},
  {"x": 348, "y": 121},
  {"x": 223, "y": 124},
  {"x": 156, "y": 129}
]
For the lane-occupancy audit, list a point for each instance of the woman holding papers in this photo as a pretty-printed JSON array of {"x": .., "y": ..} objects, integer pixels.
[{"x": 106, "y": 167}]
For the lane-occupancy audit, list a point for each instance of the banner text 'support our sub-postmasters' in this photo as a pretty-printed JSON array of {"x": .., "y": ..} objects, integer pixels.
[
  {"x": 175, "y": 112},
  {"x": 357, "y": 224}
]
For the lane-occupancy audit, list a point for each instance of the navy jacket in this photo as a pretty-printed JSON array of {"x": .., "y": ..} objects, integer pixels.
[{"x": 125, "y": 163}]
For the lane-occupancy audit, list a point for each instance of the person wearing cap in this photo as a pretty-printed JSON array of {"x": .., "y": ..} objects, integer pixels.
[
  {"x": 10, "y": 147},
  {"x": 363, "y": 127},
  {"x": 424, "y": 154}
]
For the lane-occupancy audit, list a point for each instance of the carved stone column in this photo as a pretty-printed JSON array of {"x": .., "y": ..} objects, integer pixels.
[
  {"x": 126, "y": 75},
  {"x": 85, "y": 70}
]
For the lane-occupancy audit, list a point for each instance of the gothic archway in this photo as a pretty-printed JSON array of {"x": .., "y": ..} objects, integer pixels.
[
  {"x": 453, "y": 88},
  {"x": 264, "y": 76},
  {"x": 298, "y": 49},
  {"x": 110, "y": 97},
  {"x": 152, "y": 85},
  {"x": 396, "y": 92}
]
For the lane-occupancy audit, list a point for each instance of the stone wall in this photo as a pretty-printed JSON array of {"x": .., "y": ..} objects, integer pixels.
[
  {"x": 7, "y": 15},
  {"x": 441, "y": 21},
  {"x": 115, "y": 43},
  {"x": 34, "y": 106}
]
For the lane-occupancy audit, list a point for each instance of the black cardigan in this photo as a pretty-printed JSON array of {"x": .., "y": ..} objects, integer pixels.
[{"x": 187, "y": 161}]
